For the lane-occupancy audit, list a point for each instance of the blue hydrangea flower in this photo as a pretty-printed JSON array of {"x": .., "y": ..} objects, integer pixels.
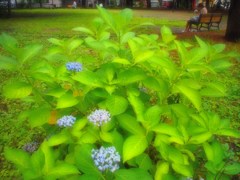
[
  {"x": 30, "y": 147},
  {"x": 106, "y": 158},
  {"x": 66, "y": 121},
  {"x": 99, "y": 117},
  {"x": 74, "y": 66}
]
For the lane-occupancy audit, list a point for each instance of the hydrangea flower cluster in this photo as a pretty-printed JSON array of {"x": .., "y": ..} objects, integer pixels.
[
  {"x": 74, "y": 66},
  {"x": 99, "y": 117},
  {"x": 106, "y": 158},
  {"x": 30, "y": 147},
  {"x": 66, "y": 121}
]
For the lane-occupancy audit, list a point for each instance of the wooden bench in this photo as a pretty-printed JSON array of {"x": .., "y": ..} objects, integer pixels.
[{"x": 207, "y": 21}]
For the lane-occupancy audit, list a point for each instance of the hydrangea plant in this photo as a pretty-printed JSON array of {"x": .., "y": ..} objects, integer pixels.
[{"x": 147, "y": 93}]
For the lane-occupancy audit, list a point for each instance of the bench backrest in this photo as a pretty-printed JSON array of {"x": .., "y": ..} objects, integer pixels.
[
  {"x": 216, "y": 18},
  {"x": 205, "y": 18}
]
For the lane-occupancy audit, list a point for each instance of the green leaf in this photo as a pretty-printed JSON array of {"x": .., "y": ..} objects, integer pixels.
[
  {"x": 134, "y": 146},
  {"x": 37, "y": 161},
  {"x": 200, "y": 138},
  {"x": 58, "y": 139},
  {"x": 74, "y": 44},
  {"x": 167, "y": 35},
  {"x": 48, "y": 156},
  {"x": 191, "y": 94},
  {"x": 232, "y": 169},
  {"x": 142, "y": 56},
  {"x": 63, "y": 169},
  {"x": 185, "y": 170},
  {"x": 19, "y": 157},
  {"x": 67, "y": 100},
  {"x": 56, "y": 41},
  {"x": 8, "y": 43},
  {"x": 130, "y": 124},
  {"x": 162, "y": 169},
  {"x": 108, "y": 18},
  {"x": 121, "y": 60},
  {"x": 28, "y": 52},
  {"x": 116, "y": 105},
  {"x": 8, "y": 63},
  {"x": 166, "y": 129},
  {"x": 153, "y": 84},
  {"x": 84, "y": 160},
  {"x": 229, "y": 132},
  {"x": 152, "y": 116},
  {"x": 88, "y": 78},
  {"x": 132, "y": 174},
  {"x": 144, "y": 162},
  {"x": 138, "y": 106},
  {"x": 56, "y": 92},
  {"x": 39, "y": 116},
  {"x": 17, "y": 89},
  {"x": 214, "y": 90},
  {"x": 127, "y": 36},
  {"x": 220, "y": 64},
  {"x": 131, "y": 76},
  {"x": 208, "y": 151},
  {"x": 84, "y": 30}
]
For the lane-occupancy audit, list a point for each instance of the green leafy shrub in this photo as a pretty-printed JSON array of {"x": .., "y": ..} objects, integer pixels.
[{"x": 116, "y": 105}]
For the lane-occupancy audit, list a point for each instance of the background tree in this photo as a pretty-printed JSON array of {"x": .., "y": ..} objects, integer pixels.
[{"x": 233, "y": 24}]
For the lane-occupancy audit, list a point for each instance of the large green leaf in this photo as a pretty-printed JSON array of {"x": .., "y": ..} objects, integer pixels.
[
  {"x": 17, "y": 89},
  {"x": 214, "y": 90},
  {"x": 108, "y": 18},
  {"x": 116, "y": 104},
  {"x": 192, "y": 94},
  {"x": 185, "y": 170},
  {"x": 142, "y": 56},
  {"x": 167, "y": 35},
  {"x": 49, "y": 157},
  {"x": 134, "y": 146},
  {"x": 137, "y": 104},
  {"x": 162, "y": 169},
  {"x": 8, "y": 63},
  {"x": 37, "y": 161},
  {"x": 38, "y": 116},
  {"x": 67, "y": 100},
  {"x": 232, "y": 169},
  {"x": 131, "y": 76},
  {"x": 200, "y": 138},
  {"x": 167, "y": 129},
  {"x": 152, "y": 116},
  {"x": 130, "y": 124},
  {"x": 58, "y": 139},
  {"x": 84, "y": 30},
  {"x": 19, "y": 157},
  {"x": 88, "y": 78},
  {"x": 8, "y": 43},
  {"x": 84, "y": 160},
  {"x": 63, "y": 169},
  {"x": 28, "y": 52},
  {"x": 132, "y": 174},
  {"x": 144, "y": 162}
]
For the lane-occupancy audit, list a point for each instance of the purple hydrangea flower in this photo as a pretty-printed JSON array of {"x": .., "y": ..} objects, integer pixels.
[
  {"x": 74, "y": 66},
  {"x": 99, "y": 117},
  {"x": 106, "y": 158},
  {"x": 30, "y": 147},
  {"x": 66, "y": 121}
]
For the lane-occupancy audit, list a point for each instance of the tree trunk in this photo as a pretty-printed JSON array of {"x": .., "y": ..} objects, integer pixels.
[
  {"x": 233, "y": 24},
  {"x": 9, "y": 8}
]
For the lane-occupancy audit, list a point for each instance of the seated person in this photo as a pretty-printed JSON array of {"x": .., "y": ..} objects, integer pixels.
[{"x": 202, "y": 10}]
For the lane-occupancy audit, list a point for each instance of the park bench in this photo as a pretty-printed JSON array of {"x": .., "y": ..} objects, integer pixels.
[{"x": 208, "y": 21}]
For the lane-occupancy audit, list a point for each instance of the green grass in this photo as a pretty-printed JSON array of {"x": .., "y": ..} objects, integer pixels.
[{"x": 37, "y": 25}]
